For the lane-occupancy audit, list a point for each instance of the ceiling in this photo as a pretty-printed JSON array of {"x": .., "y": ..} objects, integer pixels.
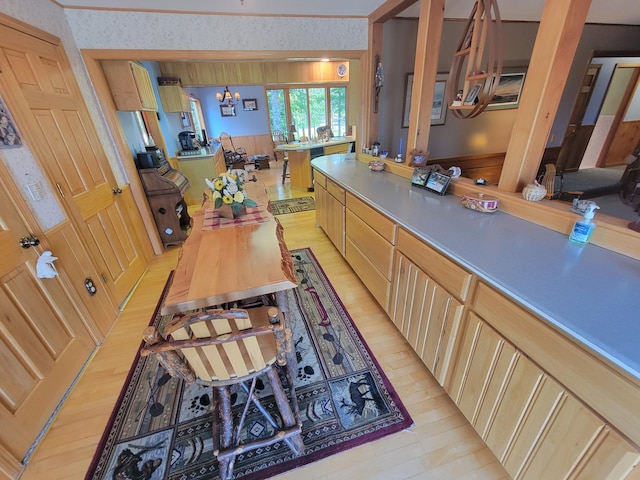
[{"x": 602, "y": 11}]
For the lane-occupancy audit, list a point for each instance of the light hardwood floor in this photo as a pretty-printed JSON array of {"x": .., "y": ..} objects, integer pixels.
[{"x": 441, "y": 445}]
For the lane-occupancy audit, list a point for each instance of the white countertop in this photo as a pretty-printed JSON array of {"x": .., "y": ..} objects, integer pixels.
[
  {"x": 310, "y": 145},
  {"x": 588, "y": 292}
]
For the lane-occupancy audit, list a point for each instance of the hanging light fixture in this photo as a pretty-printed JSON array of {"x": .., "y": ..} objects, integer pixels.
[{"x": 226, "y": 97}]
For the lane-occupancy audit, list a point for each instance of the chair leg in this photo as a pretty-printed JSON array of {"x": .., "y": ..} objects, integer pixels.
[
  {"x": 223, "y": 399},
  {"x": 288, "y": 417},
  {"x": 284, "y": 170}
]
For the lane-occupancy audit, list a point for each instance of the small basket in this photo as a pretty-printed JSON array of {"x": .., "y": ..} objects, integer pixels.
[
  {"x": 534, "y": 192},
  {"x": 375, "y": 166}
]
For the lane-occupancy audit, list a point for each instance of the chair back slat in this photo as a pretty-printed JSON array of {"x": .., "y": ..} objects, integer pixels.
[
  {"x": 217, "y": 368},
  {"x": 191, "y": 354},
  {"x": 239, "y": 347},
  {"x": 255, "y": 353}
]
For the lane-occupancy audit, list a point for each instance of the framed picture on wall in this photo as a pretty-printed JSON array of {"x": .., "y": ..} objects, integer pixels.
[
  {"x": 508, "y": 92},
  {"x": 438, "y": 111},
  {"x": 406, "y": 106},
  {"x": 249, "y": 104},
  {"x": 228, "y": 110},
  {"x": 9, "y": 136}
]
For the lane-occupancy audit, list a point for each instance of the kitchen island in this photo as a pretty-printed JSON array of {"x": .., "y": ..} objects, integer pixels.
[
  {"x": 300, "y": 155},
  {"x": 207, "y": 163},
  {"x": 533, "y": 337}
]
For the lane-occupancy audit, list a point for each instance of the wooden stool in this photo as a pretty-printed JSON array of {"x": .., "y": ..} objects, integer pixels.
[{"x": 221, "y": 348}]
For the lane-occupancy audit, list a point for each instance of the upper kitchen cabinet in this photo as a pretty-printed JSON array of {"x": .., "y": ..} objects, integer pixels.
[
  {"x": 130, "y": 85},
  {"x": 172, "y": 96}
]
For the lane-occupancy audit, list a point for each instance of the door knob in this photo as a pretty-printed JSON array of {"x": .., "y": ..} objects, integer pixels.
[
  {"x": 30, "y": 241},
  {"x": 116, "y": 190}
]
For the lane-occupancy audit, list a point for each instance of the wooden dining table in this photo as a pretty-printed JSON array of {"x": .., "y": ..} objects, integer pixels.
[{"x": 232, "y": 263}]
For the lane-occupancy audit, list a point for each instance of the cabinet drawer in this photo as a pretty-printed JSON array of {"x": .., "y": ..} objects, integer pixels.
[
  {"x": 319, "y": 179},
  {"x": 374, "y": 219},
  {"x": 336, "y": 190},
  {"x": 455, "y": 279},
  {"x": 375, "y": 282},
  {"x": 373, "y": 246}
]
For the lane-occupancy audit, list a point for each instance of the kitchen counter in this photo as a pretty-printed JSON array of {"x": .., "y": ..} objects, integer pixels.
[
  {"x": 300, "y": 155},
  {"x": 585, "y": 291},
  {"x": 310, "y": 145}
]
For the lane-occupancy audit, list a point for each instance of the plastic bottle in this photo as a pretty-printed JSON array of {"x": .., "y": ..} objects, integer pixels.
[{"x": 583, "y": 228}]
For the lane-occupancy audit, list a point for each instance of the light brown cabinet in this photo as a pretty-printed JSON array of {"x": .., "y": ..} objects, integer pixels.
[
  {"x": 320, "y": 189},
  {"x": 174, "y": 99},
  {"x": 545, "y": 405},
  {"x": 369, "y": 247},
  {"x": 130, "y": 85},
  {"x": 335, "y": 215},
  {"x": 330, "y": 210},
  {"x": 534, "y": 425}
]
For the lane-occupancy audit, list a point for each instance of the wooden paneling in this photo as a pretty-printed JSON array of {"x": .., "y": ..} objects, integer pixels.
[
  {"x": 200, "y": 74},
  {"x": 610, "y": 393}
]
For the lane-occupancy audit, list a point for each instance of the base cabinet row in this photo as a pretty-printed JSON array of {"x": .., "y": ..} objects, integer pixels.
[{"x": 487, "y": 352}]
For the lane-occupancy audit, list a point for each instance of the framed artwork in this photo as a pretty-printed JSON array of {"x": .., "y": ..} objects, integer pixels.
[
  {"x": 438, "y": 111},
  {"x": 508, "y": 92},
  {"x": 406, "y": 106},
  {"x": 249, "y": 104},
  {"x": 9, "y": 136},
  {"x": 472, "y": 95},
  {"x": 228, "y": 110}
]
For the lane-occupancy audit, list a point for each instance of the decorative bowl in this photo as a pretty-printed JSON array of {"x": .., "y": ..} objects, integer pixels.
[{"x": 376, "y": 166}]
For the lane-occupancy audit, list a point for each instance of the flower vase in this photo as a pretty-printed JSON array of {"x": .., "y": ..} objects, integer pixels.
[{"x": 227, "y": 211}]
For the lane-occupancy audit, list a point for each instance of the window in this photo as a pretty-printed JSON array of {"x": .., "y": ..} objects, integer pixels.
[
  {"x": 308, "y": 108},
  {"x": 197, "y": 118},
  {"x": 142, "y": 128}
]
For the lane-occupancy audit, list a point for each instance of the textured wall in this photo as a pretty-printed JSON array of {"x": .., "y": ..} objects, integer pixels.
[{"x": 166, "y": 31}]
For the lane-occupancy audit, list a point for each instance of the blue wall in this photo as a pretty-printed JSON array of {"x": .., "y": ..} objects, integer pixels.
[{"x": 254, "y": 122}]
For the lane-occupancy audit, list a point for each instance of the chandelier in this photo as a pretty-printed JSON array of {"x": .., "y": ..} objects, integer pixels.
[{"x": 226, "y": 97}]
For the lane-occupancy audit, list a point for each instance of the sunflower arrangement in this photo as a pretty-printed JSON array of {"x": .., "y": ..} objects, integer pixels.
[{"x": 228, "y": 189}]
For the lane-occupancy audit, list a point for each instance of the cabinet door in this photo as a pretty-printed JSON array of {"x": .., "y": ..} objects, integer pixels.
[
  {"x": 130, "y": 85},
  {"x": 533, "y": 425},
  {"x": 143, "y": 84},
  {"x": 174, "y": 99},
  {"x": 428, "y": 317},
  {"x": 335, "y": 221},
  {"x": 321, "y": 206}
]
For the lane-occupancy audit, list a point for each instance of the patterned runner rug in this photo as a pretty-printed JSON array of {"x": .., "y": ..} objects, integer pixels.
[
  {"x": 161, "y": 427},
  {"x": 293, "y": 205}
]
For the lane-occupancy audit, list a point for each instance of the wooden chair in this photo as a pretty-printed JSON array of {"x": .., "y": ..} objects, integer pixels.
[{"x": 222, "y": 348}]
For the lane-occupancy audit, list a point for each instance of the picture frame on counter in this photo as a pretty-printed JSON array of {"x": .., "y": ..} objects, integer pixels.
[
  {"x": 249, "y": 104},
  {"x": 432, "y": 178},
  {"x": 437, "y": 182},
  {"x": 228, "y": 110}
]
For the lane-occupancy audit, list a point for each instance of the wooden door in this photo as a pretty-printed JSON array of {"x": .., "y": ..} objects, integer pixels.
[
  {"x": 43, "y": 341},
  {"x": 577, "y": 135},
  {"x": 61, "y": 135}
]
